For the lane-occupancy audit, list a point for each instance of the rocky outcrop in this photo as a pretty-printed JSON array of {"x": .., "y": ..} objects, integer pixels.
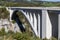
[{"x": 5, "y": 23}]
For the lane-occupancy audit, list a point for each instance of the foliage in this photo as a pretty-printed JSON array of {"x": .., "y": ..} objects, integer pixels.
[
  {"x": 30, "y": 4},
  {"x": 18, "y": 4},
  {"x": 13, "y": 21},
  {"x": 24, "y": 36},
  {"x": 2, "y": 32},
  {"x": 18, "y": 36},
  {"x": 45, "y": 39},
  {"x": 4, "y": 13},
  {"x": 53, "y": 38},
  {"x": 10, "y": 32}
]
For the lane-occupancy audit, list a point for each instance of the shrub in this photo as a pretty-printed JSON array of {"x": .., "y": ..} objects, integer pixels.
[
  {"x": 13, "y": 21},
  {"x": 24, "y": 36},
  {"x": 4, "y": 13},
  {"x": 53, "y": 38},
  {"x": 2, "y": 32},
  {"x": 45, "y": 39},
  {"x": 10, "y": 32}
]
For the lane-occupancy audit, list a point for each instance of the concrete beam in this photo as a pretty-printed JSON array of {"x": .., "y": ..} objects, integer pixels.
[{"x": 35, "y": 8}]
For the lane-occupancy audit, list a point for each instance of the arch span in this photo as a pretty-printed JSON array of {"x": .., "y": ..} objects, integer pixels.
[
  {"x": 16, "y": 18},
  {"x": 45, "y": 20}
]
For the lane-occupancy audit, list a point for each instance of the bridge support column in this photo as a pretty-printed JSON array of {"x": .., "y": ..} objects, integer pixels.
[
  {"x": 31, "y": 19},
  {"x": 11, "y": 12},
  {"x": 46, "y": 25},
  {"x": 39, "y": 25},
  {"x": 59, "y": 26},
  {"x": 27, "y": 15},
  {"x": 35, "y": 23}
]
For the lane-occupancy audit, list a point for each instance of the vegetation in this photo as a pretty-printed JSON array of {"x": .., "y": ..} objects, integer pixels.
[
  {"x": 29, "y": 4},
  {"x": 4, "y": 13},
  {"x": 54, "y": 38},
  {"x": 13, "y": 21},
  {"x": 27, "y": 35},
  {"x": 17, "y": 36}
]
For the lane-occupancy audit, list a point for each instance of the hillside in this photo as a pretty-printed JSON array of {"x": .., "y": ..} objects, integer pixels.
[{"x": 29, "y": 4}]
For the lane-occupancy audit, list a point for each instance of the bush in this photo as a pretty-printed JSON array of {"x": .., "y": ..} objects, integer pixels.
[
  {"x": 10, "y": 32},
  {"x": 2, "y": 32},
  {"x": 13, "y": 21},
  {"x": 45, "y": 39},
  {"x": 24, "y": 36},
  {"x": 4, "y": 13},
  {"x": 53, "y": 38}
]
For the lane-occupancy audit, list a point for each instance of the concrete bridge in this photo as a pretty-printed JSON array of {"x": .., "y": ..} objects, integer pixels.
[{"x": 45, "y": 21}]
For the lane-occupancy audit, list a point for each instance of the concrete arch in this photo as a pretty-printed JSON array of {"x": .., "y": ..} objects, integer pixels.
[
  {"x": 33, "y": 17},
  {"x": 28, "y": 20},
  {"x": 16, "y": 18}
]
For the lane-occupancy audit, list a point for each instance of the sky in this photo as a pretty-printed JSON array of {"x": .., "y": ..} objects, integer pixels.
[
  {"x": 52, "y": 0},
  {"x": 48, "y": 0}
]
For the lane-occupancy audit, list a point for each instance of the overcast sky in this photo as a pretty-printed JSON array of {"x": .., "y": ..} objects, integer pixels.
[
  {"x": 48, "y": 0},
  {"x": 51, "y": 0}
]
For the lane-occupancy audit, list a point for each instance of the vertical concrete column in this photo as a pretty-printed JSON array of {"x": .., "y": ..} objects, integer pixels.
[
  {"x": 39, "y": 25},
  {"x": 11, "y": 12},
  {"x": 24, "y": 12},
  {"x": 59, "y": 26},
  {"x": 46, "y": 25},
  {"x": 27, "y": 14},
  {"x": 31, "y": 19},
  {"x": 43, "y": 24},
  {"x": 35, "y": 23}
]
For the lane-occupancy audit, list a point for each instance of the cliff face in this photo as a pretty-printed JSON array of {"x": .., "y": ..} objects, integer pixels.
[{"x": 8, "y": 26}]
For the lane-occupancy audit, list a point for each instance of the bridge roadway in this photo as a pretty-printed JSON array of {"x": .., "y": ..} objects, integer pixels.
[
  {"x": 36, "y": 8},
  {"x": 43, "y": 23}
]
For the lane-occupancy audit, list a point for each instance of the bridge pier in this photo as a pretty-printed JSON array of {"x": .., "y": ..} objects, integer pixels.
[
  {"x": 31, "y": 19},
  {"x": 46, "y": 25},
  {"x": 35, "y": 23},
  {"x": 27, "y": 14},
  {"x": 11, "y": 13},
  {"x": 39, "y": 25},
  {"x": 59, "y": 26}
]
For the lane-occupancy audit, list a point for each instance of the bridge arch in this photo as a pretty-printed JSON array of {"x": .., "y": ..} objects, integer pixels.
[
  {"x": 14, "y": 16},
  {"x": 46, "y": 19}
]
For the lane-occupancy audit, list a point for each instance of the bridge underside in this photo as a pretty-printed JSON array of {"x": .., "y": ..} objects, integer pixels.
[
  {"x": 45, "y": 23},
  {"x": 54, "y": 24}
]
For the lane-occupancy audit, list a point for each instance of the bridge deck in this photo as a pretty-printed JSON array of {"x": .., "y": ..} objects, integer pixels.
[{"x": 39, "y": 8}]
